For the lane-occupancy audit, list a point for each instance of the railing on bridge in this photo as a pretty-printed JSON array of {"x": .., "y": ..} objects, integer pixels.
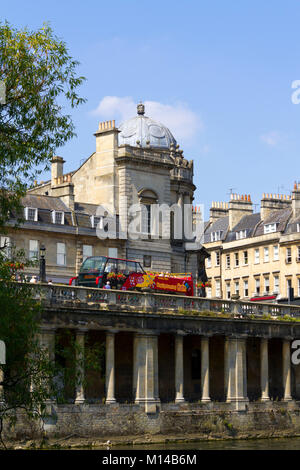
[{"x": 88, "y": 297}]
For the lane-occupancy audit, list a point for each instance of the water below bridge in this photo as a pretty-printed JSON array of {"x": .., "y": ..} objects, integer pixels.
[{"x": 241, "y": 444}]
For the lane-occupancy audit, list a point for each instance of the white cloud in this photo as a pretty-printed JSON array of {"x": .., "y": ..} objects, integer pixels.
[
  {"x": 271, "y": 138},
  {"x": 179, "y": 118}
]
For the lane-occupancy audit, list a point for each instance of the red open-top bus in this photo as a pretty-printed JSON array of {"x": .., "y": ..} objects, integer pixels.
[{"x": 126, "y": 274}]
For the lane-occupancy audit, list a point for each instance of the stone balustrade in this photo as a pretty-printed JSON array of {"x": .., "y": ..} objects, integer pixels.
[{"x": 155, "y": 302}]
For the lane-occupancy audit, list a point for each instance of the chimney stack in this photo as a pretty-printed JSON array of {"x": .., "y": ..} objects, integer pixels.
[
  {"x": 296, "y": 200},
  {"x": 273, "y": 202},
  {"x": 57, "y": 169},
  {"x": 218, "y": 210},
  {"x": 239, "y": 206}
]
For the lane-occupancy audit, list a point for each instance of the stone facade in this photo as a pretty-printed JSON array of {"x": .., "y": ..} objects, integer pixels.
[
  {"x": 254, "y": 254},
  {"x": 121, "y": 172}
]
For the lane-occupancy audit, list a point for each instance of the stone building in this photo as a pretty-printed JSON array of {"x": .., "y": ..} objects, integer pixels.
[
  {"x": 254, "y": 254},
  {"x": 139, "y": 163}
]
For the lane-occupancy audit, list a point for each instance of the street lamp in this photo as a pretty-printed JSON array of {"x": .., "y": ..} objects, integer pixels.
[{"x": 42, "y": 263}]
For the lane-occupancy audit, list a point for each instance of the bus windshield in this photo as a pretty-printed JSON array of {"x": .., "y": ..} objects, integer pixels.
[{"x": 94, "y": 263}]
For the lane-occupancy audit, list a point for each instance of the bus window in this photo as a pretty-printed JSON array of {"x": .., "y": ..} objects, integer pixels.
[
  {"x": 122, "y": 266},
  {"x": 131, "y": 267},
  {"x": 139, "y": 268},
  {"x": 95, "y": 263},
  {"x": 111, "y": 266}
]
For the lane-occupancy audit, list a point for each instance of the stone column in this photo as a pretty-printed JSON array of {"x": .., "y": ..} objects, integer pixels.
[
  {"x": 205, "y": 369},
  {"x": 139, "y": 368},
  {"x": 145, "y": 371},
  {"x": 179, "y": 397},
  {"x": 47, "y": 343},
  {"x": 235, "y": 372},
  {"x": 286, "y": 372},
  {"x": 264, "y": 369},
  {"x": 79, "y": 387},
  {"x": 1, "y": 386},
  {"x": 110, "y": 368}
]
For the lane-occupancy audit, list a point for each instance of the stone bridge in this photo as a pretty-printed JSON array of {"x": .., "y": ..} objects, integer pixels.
[
  {"x": 168, "y": 354},
  {"x": 162, "y": 348}
]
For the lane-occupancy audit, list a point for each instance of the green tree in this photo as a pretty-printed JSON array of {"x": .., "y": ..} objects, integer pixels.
[
  {"x": 30, "y": 377},
  {"x": 27, "y": 377},
  {"x": 40, "y": 79}
]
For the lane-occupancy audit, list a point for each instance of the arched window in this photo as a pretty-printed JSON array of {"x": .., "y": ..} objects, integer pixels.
[{"x": 147, "y": 197}]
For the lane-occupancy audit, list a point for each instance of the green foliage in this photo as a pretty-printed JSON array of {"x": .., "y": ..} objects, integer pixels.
[
  {"x": 72, "y": 359},
  {"x": 26, "y": 378},
  {"x": 40, "y": 79}
]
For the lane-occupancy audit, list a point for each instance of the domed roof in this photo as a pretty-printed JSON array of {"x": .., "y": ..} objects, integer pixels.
[{"x": 141, "y": 131}]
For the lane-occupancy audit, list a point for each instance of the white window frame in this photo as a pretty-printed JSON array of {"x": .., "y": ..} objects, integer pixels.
[
  {"x": 216, "y": 236},
  {"x": 54, "y": 217},
  {"x": 26, "y": 212},
  {"x": 208, "y": 262},
  {"x": 228, "y": 261},
  {"x": 267, "y": 284},
  {"x": 218, "y": 258},
  {"x": 236, "y": 259},
  {"x": 246, "y": 257},
  {"x": 61, "y": 253},
  {"x": 256, "y": 256},
  {"x": 113, "y": 252},
  {"x": 246, "y": 288},
  {"x": 87, "y": 250},
  {"x": 228, "y": 290},
  {"x": 33, "y": 254},
  {"x": 218, "y": 288},
  {"x": 276, "y": 284},
  {"x": 237, "y": 287},
  {"x": 241, "y": 234},
  {"x": 266, "y": 254},
  {"x": 288, "y": 255},
  {"x": 275, "y": 252},
  {"x": 270, "y": 228}
]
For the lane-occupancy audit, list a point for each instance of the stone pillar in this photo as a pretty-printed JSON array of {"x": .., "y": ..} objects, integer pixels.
[
  {"x": 1, "y": 386},
  {"x": 179, "y": 397},
  {"x": 47, "y": 343},
  {"x": 286, "y": 372},
  {"x": 264, "y": 369},
  {"x": 235, "y": 372},
  {"x": 139, "y": 368},
  {"x": 110, "y": 368},
  {"x": 145, "y": 371},
  {"x": 205, "y": 369},
  {"x": 79, "y": 388}
]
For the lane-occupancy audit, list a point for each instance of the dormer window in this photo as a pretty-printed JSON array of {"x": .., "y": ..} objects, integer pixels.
[
  {"x": 31, "y": 214},
  {"x": 58, "y": 217},
  {"x": 216, "y": 236},
  {"x": 270, "y": 228},
  {"x": 241, "y": 234}
]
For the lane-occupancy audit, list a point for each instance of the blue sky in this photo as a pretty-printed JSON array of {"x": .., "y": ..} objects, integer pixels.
[{"x": 218, "y": 72}]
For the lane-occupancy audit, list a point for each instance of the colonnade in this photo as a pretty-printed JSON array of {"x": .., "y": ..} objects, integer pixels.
[{"x": 145, "y": 371}]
